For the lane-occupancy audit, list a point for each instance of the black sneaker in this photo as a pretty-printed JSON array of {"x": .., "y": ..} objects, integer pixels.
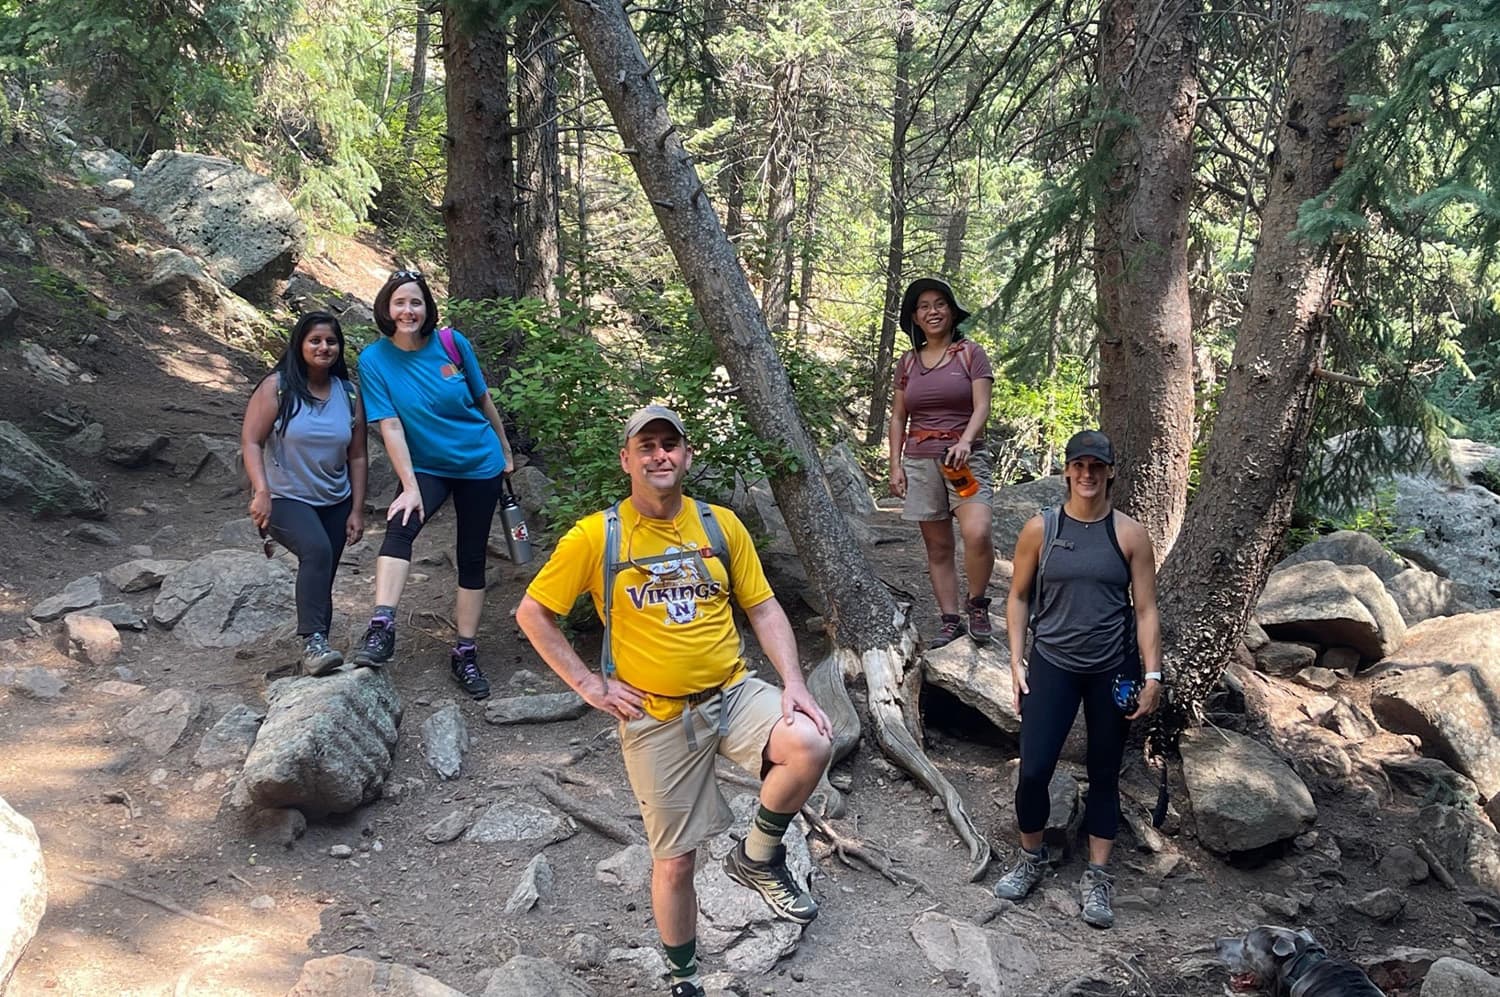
[
  {"x": 317, "y": 657},
  {"x": 464, "y": 664},
  {"x": 377, "y": 646},
  {"x": 773, "y": 881},
  {"x": 686, "y": 989}
]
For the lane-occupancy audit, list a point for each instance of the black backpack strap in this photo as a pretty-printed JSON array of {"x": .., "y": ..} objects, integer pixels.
[{"x": 1051, "y": 527}]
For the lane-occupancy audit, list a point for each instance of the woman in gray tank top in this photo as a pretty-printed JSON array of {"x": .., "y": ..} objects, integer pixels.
[
  {"x": 1089, "y": 600},
  {"x": 303, "y": 441}
]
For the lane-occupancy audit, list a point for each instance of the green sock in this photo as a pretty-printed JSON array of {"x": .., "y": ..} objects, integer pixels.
[
  {"x": 682, "y": 960},
  {"x": 766, "y": 831}
]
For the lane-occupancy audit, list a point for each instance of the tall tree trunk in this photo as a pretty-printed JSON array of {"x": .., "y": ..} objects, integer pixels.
[
  {"x": 479, "y": 200},
  {"x": 1255, "y": 458},
  {"x": 955, "y": 230},
  {"x": 418, "y": 88},
  {"x": 808, "y": 240},
  {"x": 732, "y": 170},
  {"x": 1148, "y": 72},
  {"x": 781, "y": 194},
  {"x": 895, "y": 253},
  {"x": 537, "y": 163},
  {"x": 868, "y": 628}
]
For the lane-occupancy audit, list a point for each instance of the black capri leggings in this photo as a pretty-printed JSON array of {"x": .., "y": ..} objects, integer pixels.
[
  {"x": 316, "y": 535},
  {"x": 1047, "y": 713},
  {"x": 474, "y": 501}
]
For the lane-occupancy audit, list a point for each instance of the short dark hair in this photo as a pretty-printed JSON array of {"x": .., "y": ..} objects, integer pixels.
[{"x": 383, "y": 320}]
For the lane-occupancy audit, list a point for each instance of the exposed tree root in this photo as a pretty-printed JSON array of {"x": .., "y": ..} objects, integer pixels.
[
  {"x": 154, "y": 899},
  {"x": 610, "y": 827},
  {"x": 847, "y": 848}
]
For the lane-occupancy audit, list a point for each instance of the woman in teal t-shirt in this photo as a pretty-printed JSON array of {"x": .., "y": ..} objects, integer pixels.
[{"x": 444, "y": 438}]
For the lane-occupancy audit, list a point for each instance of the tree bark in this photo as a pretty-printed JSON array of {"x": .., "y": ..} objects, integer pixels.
[
  {"x": 537, "y": 165},
  {"x": 1148, "y": 74},
  {"x": 781, "y": 191},
  {"x": 895, "y": 253},
  {"x": 1255, "y": 458},
  {"x": 479, "y": 199},
  {"x": 418, "y": 88},
  {"x": 868, "y": 628}
]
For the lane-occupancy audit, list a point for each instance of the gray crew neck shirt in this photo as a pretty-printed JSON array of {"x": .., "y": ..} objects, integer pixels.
[{"x": 310, "y": 463}]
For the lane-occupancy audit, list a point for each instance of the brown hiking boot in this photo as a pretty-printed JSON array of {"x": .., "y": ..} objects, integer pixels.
[{"x": 980, "y": 628}]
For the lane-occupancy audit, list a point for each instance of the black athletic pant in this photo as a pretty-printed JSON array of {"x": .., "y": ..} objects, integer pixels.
[
  {"x": 1047, "y": 713},
  {"x": 316, "y": 535},
  {"x": 474, "y": 501}
]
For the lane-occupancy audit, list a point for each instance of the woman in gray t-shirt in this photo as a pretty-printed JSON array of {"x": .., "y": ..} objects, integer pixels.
[{"x": 303, "y": 440}]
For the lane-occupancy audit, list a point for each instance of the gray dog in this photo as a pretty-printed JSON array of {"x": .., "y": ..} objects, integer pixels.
[{"x": 1289, "y": 963}]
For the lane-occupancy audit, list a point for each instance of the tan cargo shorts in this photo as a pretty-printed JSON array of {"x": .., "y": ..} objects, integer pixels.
[
  {"x": 930, "y": 496},
  {"x": 674, "y": 782}
]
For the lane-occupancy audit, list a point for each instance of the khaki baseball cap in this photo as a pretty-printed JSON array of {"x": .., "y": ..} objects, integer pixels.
[{"x": 648, "y": 414}]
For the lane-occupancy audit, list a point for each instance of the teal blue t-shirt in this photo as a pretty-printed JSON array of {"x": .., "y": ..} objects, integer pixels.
[{"x": 446, "y": 431}]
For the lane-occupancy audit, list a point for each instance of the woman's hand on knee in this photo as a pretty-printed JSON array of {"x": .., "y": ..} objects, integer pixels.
[{"x": 404, "y": 505}]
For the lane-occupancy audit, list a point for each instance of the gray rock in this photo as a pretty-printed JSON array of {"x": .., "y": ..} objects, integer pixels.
[
  {"x": 137, "y": 449},
  {"x": 92, "y": 637},
  {"x": 228, "y": 741},
  {"x": 539, "y": 709},
  {"x": 847, "y": 481},
  {"x": 1255, "y": 636},
  {"x": 87, "y": 442},
  {"x": 80, "y": 593},
  {"x": 1464, "y": 842},
  {"x": 239, "y": 222},
  {"x": 160, "y": 722},
  {"x": 113, "y": 190},
  {"x": 512, "y": 820},
  {"x": 1327, "y": 603},
  {"x": 1428, "y": 779},
  {"x": 1383, "y": 905},
  {"x": 528, "y": 976},
  {"x": 122, "y": 690},
  {"x": 111, "y": 220},
  {"x": 629, "y": 868},
  {"x": 445, "y": 739},
  {"x": 1403, "y": 866},
  {"x": 1340, "y": 659},
  {"x": 346, "y": 976},
  {"x": 645, "y": 965},
  {"x": 225, "y": 599},
  {"x": 1014, "y": 505},
  {"x": 1244, "y": 796},
  {"x": 277, "y": 825},
  {"x": 535, "y": 886},
  {"x": 1423, "y": 595},
  {"x": 1321, "y": 679},
  {"x": 24, "y": 899},
  {"x": 979, "y": 676},
  {"x": 1451, "y": 977},
  {"x": 1348, "y": 547},
  {"x": 326, "y": 744},
  {"x": 340, "y": 852},
  {"x": 584, "y": 951},
  {"x": 141, "y": 574},
  {"x": 993, "y": 963},
  {"x": 1282, "y": 658},
  {"x": 9, "y": 312},
  {"x": 533, "y": 490},
  {"x": 103, "y": 165},
  {"x": 216, "y": 459},
  {"x": 238, "y": 533},
  {"x": 36, "y": 681},
  {"x": 14, "y": 238},
  {"x": 123, "y": 617},
  {"x": 447, "y": 828},
  {"x": 1441, "y": 686},
  {"x": 1455, "y": 526},
  {"x": 33, "y": 480},
  {"x": 99, "y": 536},
  {"x": 49, "y": 366}
]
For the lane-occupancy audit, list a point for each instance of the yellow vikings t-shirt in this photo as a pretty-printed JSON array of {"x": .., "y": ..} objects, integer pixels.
[{"x": 673, "y": 628}]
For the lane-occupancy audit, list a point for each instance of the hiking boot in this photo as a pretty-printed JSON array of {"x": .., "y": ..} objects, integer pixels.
[
  {"x": 685, "y": 989},
  {"x": 317, "y": 657},
  {"x": 1023, "y": 876},
  {"x": 948, "y": 631},
  {"x": 773, "y": 882},
  {"x": 1095, "y": 888},
  {"x": 464, "y": 664},
  {"x": 980, "y": 628},
  {"x": 377, "y": 646}
]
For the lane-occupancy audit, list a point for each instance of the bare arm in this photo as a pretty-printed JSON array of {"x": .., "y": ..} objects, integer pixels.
[
  {"x": 393, "y": 435},
  {"x": 487, "y": 406},
  {"x": 774, "y": 632},
  {"x": 1018, "y": 603},
  {"x": 1135, "y": 543},
  {"x": 896, "y": 438},
  {"x": 539, "y": 624},
  {"x": 982, "y": 390},
  {"x": 260, "y": 417},
  {"x": 359, "y": 474}
]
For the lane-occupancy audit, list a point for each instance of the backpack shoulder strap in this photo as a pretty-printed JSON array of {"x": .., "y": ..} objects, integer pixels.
[
  {"x": 715, "y": 534},
  {"x": 351, "y": 393},
  {"x": 450, "y": 346},
  {"x": 611, "y": 568},
  {"x": 1051, "y": 526}
]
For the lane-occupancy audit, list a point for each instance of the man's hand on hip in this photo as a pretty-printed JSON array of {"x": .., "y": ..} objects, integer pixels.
[{"x": 619, "y": 699}]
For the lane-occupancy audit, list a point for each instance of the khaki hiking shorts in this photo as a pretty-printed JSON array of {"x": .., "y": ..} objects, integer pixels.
[
  {"x": 931, "y": 497},
  {"x": 674, "y": 783}
]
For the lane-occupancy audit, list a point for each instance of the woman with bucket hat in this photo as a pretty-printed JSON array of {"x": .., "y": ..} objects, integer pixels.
[{"x": 938, "y": 462}]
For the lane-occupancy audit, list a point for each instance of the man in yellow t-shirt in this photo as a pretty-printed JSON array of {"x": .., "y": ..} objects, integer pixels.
[{"x": 681, "y": 690}]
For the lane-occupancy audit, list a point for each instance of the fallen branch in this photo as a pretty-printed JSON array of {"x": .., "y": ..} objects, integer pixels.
[
  {"x": 1438, "y": 869},
  {"x": 615, "y": 830},
  {"x": 120, "y": 796},
  {"x": 154, "y": 899}
]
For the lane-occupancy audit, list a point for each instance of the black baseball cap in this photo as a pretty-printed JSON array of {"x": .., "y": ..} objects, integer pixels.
[{"x": 1090, "y": 443}]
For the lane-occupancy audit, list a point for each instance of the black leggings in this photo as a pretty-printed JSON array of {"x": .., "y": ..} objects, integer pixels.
[
  {"x": 1047, "y": 713},
  {"x": 474, "y": 501},
  {"x": 316, "y": 535}
]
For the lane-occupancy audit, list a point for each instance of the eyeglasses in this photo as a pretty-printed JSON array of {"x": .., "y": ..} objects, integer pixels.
[{"x": 407, "y": 275}]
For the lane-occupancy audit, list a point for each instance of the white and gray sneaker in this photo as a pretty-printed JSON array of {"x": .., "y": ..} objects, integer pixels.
[
  {"x": 317, "y": 657},
  {"x": 1095, "y": 888},
  {"x": 1023, "y": 876}
]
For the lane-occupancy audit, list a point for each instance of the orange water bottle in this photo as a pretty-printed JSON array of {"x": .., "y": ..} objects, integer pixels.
[{"x": 963, "y": 479}]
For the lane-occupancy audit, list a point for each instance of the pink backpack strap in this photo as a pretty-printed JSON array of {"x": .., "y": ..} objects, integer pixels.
[{"x": 450, "y": 346}]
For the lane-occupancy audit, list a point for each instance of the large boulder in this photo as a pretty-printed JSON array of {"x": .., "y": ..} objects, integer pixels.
[
  {"x": 179, "y": 280},
  {"x": 1348, "y": 547},
  {"x": 1464, "y": 842},
  {"x": 1451, "y": 977},
  {"x": 1443, "y": 685},
  {"x": 1015, "y": 504},
  {"x": 528, "y": 976},
  {"x": 225, "y": 599},
  {"x": 1422, "y": 595},
  {"x": 978, "y": 675},
  {"x": 326, "y": 744},
  {"x": 347, "y": 976},
  {"x": 1454, "y": 525},
  {"x": 34, "y": 480},
  {"x": 237, "y": 221},
  {"x": 1331, "y": 604},
  {"x": 1244, "y": 795},
  {"x": 24, "y": 898}
]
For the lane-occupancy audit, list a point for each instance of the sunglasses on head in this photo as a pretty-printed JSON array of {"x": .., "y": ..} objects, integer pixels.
[{"x": 407, "y": 275}]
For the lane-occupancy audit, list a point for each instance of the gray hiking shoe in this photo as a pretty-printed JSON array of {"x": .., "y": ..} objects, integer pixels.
[
  {"x": 317, "y": 657},
  {"x": 1095, "y": 888},
  {"x": 1023, "y": 876},
  {"x": 774, "y": 882}
]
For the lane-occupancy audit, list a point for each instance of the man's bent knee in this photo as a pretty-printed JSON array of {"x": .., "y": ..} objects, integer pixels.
[{"x": 800, "y": 744}]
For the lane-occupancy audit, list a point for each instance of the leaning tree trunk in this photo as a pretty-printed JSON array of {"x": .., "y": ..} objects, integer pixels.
[
  {"x": 1148, "y": 72},
  {"x": 870, "y": 631},
  {"x": 1259, "y": 446},
  {"x": 537, "y": 165},
  {"x": 478, "y": 202}
]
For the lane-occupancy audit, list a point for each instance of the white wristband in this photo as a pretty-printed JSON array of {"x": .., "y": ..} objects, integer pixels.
[{"x": 1156, "y": 676}]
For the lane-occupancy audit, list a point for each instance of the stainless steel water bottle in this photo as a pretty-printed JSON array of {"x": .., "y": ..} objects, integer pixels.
[{"x": 517, "y": 536}]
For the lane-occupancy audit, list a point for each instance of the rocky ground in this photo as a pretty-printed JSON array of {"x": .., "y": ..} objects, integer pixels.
[{"x": 124, "y": 744}]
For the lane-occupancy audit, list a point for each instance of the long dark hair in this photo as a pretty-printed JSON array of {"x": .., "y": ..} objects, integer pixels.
[
  {"x": 292, "y": 368},
  {"x": 382, "y": 308}
]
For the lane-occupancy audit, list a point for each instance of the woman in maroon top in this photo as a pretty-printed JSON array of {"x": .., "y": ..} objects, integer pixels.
[{"x": 939, "y": 407}]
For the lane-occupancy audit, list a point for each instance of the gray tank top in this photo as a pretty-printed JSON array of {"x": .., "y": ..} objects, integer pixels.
[
  {"x": 1083, "y": 608},
  {"x": 311, "y": 462}
]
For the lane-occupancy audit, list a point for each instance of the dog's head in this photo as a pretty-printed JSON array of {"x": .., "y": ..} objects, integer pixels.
[{"x": 1259, "y": 959}]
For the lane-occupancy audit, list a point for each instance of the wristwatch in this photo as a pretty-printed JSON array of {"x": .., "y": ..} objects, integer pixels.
[{"x": 1153, "y": 675}]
